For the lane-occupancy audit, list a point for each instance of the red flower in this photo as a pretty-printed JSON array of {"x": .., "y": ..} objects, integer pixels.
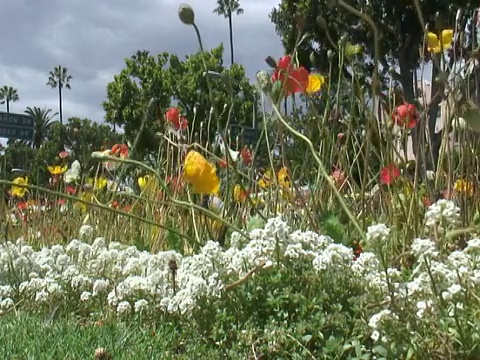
[
  {"x": 70, "y": 190},
  {"x": 63, "y": 155},
  {"x": 22, "y": 205},
  {"x": 246, "y": 156},
  {"x": 426, "y": 201},
  {"x": 357, "y": 250},
  {"x": 405, "y": 115},
  {"x": 174, "y": 117},
  {"x": 389, "y": 174},
  {"x": 294, "y": 79},
  {"x": 120, "y": 150},
  {"x": 222, "y": 163}
]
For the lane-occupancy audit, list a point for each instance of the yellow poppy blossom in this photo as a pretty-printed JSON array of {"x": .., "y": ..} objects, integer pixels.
[
  {"x": 143, "y": 182},
  {"x": 434, "y": 45},
  {"x": 315, "y": 83},
  {"x": 148, "y": 185},
  {"x": 57, "y": 169},
  {"x": 201, "y": 174},
  {"x": 18, "y": 191},
  {"x": 97, "y": 184},
  {"x": 463, "y": 187},
  {"x": 283, "y": 178}
]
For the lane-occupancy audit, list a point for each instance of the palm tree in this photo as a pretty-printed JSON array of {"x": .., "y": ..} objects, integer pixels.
[
  {"x": 227, "y": 8},
  {"x": 8, "y": 94},
  {"x": 60, "y": 79},
  {"x": 42, "y": 120}
]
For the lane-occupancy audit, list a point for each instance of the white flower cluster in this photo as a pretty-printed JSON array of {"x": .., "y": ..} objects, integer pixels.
[
  {"x": 128, "y": 280},
  {"x": 443, "y": 213}
]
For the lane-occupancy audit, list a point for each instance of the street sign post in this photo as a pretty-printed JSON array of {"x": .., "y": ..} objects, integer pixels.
[
  {"x": 245, "y": 135},
  {"x": 16, "y": 126}
]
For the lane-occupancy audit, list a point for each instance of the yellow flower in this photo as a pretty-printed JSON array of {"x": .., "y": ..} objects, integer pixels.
[
  {"x": 436, "y": 46},
  {"x": 86, "y": 196},
  {"x": 315, "y": 83},
  {"x": 283, "y": 178},
  {"x": 148, "y": 185},
  {"x": 239, "y": 194},
  {"x": 352, "y": 50},
  {"x": 201, "y": 174},
  {"x": 19, "y": 191},
  {"x": 464, "y": 187},
  {"x": 98, "y": 184},
  {"x": 264, "y": 182},
  {"x": 57, "y": 169},
  {"x": 143, "y": 182}
]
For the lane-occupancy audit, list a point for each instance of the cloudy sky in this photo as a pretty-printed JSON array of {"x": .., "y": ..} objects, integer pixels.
[{"x": 93, "y": 37}]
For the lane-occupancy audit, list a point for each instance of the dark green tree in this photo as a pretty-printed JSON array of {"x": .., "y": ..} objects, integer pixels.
[
  {"x": 43, "y": 120},
  {"x": 83, "y": 136},
  {"x": 175, "y": 82}
]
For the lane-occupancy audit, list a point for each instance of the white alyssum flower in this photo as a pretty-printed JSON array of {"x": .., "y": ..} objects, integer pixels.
[
  {"x": 422, "y": 248},
  {"x": 86, "y": 232},
  {"x": 85, "y": 296},
  {"x": 377, "y": 234},
  {"x": 140, "y": 305},
  {"x": 444, "y": 212},
  {"x": 123, "y": 308}
]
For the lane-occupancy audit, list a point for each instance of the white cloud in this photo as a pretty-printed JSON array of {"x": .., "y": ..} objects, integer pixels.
[{"x": 92, "y": 38}]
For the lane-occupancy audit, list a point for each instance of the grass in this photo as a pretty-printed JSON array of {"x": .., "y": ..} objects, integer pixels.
[{"x": 33, "y": 336}]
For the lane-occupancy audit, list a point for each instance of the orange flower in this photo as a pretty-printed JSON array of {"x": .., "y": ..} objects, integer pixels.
[
  {"x": 201, "y": 174},
  {"x": 239, "y": 194},
  {"x": 120, "y": 150}
]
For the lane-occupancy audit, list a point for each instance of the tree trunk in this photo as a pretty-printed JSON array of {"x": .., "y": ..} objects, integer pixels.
[
  {"x": 8, "y": 105},
  {"x": 230, "y": 28},
  {"x": 60, "y": 102}
]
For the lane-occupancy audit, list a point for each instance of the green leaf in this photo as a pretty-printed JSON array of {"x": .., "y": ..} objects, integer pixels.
[
  {"x": 380, "y": 350},
  {"x": 472, "y": 117}
]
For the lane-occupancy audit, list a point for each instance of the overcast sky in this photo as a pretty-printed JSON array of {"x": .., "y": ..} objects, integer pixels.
[{"x": 93, "y": 37}]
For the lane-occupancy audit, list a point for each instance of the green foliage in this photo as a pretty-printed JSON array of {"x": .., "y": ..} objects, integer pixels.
[
  {"x": 85, "y": 136},
  {"x": 171, "y": 81}
]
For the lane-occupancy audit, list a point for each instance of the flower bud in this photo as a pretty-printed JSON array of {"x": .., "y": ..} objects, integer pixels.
[
  {"x": 330, "y": 55},
  {"x": 186, "y": 14},
  {"x": 271, "y": 62}
]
